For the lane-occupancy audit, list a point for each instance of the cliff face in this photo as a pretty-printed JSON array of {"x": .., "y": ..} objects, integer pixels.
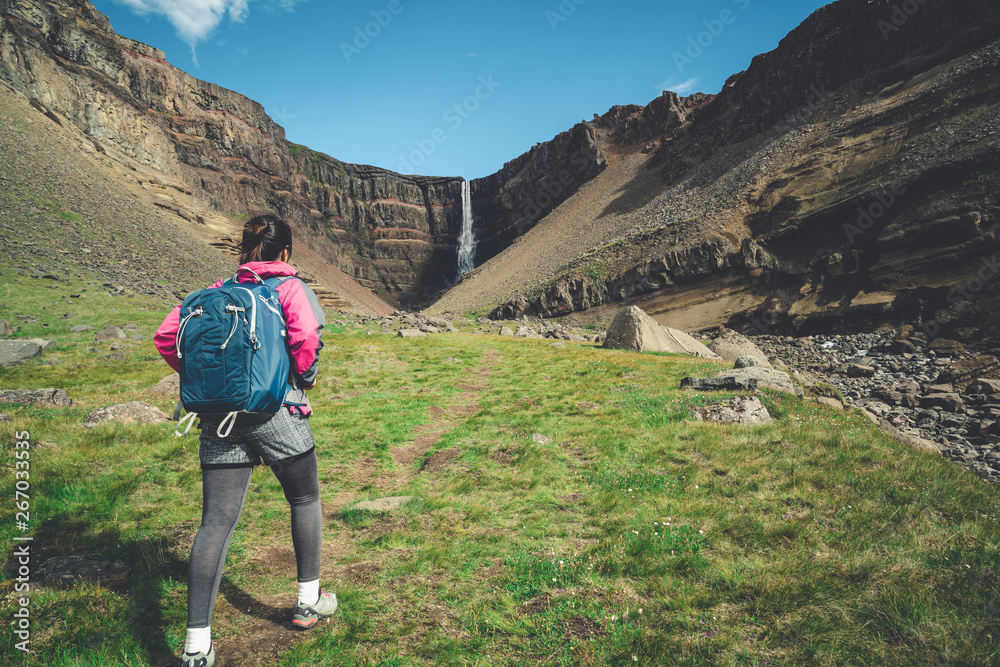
[
  {"x": 510, "y": 202},
  {"x": 847, "y": 179},
  {"x": 850, "y": 176},
  {"x": 396, "y": 234}
]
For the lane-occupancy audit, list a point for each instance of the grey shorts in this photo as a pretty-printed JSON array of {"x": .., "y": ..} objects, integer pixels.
[{"x": 282, "y": 437}]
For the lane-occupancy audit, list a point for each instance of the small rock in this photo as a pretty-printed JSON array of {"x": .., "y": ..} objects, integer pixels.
[
  {"x": 44, "y": 398},
  {"x": 43, "y": 343},
  {"x": 947, "y": 347},
  {"x": 748, "y": 362},
  {"x": 832, "y": 402},
  {"x": 948, "y": 402},
  {"x": 452, "y": 360},
  {"x": 410, "y": 333},
  {"x": 80, "y": 328},
  {"x": 135, "y": 412},
  {"x": 383, "y": 504},
  {"x": 984, "y": 386},
  {"x": 719, "y": 384},
  {"x": 860, "y": 371},
  {"x": 168, "y": 386},
  {"x": 746, "y": 410},
  {"x": 766, "y": 377},
  {"x": 541, "y": 439},
  {"x": 110, "y": 332},
  {"x": 506, "y": 331},
  {"x": 6, "y": 329},
  {"x": 66, "y": 571}
]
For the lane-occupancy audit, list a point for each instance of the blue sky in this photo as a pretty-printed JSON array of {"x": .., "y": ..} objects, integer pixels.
[{"x": 448, "y": 87}]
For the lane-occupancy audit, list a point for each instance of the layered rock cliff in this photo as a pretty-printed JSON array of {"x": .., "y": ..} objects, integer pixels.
[
  {"x": 394, "y": 233},
  {"x": 846, "y": 179}
]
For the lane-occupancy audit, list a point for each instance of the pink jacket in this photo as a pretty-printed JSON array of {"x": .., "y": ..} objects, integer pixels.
[{"x": 303, "y": 318}]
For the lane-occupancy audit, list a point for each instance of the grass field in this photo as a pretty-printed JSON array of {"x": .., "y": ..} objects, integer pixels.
[{"x": 628, "y": 535}]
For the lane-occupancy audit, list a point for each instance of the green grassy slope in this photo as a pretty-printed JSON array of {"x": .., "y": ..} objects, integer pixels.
[{"x": 635, "y": 536}]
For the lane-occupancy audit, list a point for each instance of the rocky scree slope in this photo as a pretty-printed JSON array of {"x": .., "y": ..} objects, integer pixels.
[
  {"x": 395, "y": 234},
  {"x": 841, "y": 181}
]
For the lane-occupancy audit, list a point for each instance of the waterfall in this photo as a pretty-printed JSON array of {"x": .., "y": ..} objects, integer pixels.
[{"x": 466, "y": 240}]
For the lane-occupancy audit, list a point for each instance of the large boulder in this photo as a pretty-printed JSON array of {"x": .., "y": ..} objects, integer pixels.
[
  {"x": 633, "y": 329},
  {"x": 13, "y": 352},
  {"x": 731, "y": 345}
]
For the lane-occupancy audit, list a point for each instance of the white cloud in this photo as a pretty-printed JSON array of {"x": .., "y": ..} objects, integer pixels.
[
  {"x": 195, "y": 20},
  {"x": 679, "y": 88}
]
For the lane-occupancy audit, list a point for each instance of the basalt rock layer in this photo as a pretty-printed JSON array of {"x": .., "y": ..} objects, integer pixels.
[
  {"x": 848, "y": 178},
  {"x": 393, "y": 233}
]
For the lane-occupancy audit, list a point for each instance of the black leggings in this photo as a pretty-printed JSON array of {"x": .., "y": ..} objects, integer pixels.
[{"x": 225, "y": 490}]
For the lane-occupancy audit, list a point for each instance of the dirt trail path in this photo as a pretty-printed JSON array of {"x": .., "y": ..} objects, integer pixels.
[
  {"x": 259, "y": 626},
  {"x": 446, "y": 419}
]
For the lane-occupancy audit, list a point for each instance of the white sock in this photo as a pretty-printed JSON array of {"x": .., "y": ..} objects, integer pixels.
[
  {"x": 309, "y": 592},
  {"x": 199, "y": 640}
]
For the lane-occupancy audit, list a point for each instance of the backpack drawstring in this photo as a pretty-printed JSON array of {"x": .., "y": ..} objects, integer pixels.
[
  {"x": 231, "y": 421},
  {"x": 189, "y": 418}
]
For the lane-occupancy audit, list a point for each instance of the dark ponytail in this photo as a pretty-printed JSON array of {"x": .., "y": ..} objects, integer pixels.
[{"x": 264, "y": 237}]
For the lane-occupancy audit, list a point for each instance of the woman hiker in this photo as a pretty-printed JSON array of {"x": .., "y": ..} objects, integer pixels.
[{"x": 285, "y": 443}]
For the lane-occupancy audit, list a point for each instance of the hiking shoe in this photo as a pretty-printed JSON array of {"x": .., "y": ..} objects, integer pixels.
[
  {"x": 306, "y": 615},
  {"x": 198, "y": 659}
]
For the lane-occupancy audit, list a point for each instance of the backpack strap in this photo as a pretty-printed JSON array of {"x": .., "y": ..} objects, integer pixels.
[{"x": 274, "y": 281}]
